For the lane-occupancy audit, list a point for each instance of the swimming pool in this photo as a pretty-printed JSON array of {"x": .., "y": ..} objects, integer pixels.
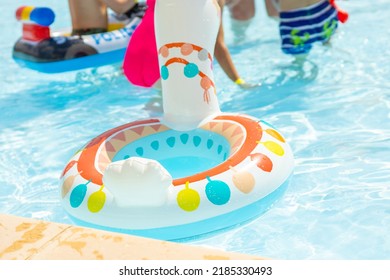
[{"x": 334, "y": 112}]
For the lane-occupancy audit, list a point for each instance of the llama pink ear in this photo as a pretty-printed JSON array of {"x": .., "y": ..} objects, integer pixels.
[{"x": 140, "y": 64}]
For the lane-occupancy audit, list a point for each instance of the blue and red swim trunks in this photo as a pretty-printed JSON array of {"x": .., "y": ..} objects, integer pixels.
[{"x": 300, "y": 28}]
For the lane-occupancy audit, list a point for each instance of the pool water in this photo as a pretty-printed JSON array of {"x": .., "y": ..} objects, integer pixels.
[{"x": 334, "y": 110}]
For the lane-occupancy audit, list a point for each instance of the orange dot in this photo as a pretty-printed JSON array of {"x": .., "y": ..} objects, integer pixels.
[
  {"x": 186, "y": 49},
  {"x": 205, "y": 83},
  {"x": 164, "y": 51}
]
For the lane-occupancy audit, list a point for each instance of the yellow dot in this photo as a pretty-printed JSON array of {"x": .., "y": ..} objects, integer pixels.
[
  {"x": 96, "y": 201},
  {"x": 188, "y": 199}
]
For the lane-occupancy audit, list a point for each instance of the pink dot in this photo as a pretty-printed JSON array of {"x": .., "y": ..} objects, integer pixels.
[
  {"x": 186, "y": 49},
  {"x": 164, "y": 51},
  {"x": 205, "y": 83}
]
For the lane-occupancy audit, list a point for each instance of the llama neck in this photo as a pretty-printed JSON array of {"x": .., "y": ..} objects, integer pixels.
[{"x": 186, "y": 31}]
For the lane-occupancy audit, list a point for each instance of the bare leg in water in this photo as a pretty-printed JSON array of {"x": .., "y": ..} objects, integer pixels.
[
  {"x": 90, "y": 16},
  {"x": 241, "y": 12}
]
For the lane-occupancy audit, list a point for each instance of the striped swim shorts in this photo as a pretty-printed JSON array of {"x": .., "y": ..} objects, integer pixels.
[{"x": 300, "y": 28}]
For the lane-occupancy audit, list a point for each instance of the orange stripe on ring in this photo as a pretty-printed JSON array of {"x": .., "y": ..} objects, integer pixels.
[
  {"x": 254, "y": 133},
  {"x": 86, "y": 163}
]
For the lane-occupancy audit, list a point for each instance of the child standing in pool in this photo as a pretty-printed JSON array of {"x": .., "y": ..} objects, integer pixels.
[{"x": 304, "y": 22}]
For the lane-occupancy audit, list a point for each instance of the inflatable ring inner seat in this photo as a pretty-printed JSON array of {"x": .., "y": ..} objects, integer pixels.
[
  {"x": 193, "y": 178},
  {"x": 181, "y": 153},
  {"x": 194, "y": 154}
]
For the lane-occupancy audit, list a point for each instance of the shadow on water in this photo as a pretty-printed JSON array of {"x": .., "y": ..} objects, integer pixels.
[{"x": 298, "y": 73}]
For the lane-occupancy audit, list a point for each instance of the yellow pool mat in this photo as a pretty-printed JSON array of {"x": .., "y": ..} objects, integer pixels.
[{"x": 28, "y": 239}]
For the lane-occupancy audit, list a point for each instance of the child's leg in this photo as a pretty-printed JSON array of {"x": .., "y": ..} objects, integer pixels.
[
  {"x": 88, "y": 16},
  {"x": 272, "y": 8},
  {"x": 239, "y": 28},
  {"x": 244, "y": 10},
  {"x": 241, "y": 15}
]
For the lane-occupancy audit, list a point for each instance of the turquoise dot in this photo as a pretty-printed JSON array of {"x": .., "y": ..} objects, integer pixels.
[
  {"x": 184, "y": 138},
  {"x": 126, "y": 157},
  {"x": 155, "y": 145},
  {"x": 217, "y": 192},
  {"x": 219, "y": 150},
  {"x": 197, "y": 140},
  {"x": 77, "y": 195},
  {"x": 140, "y": 151},
  {"x": 191, "y": 70},
  {"x": 164, "y": 72},
  {"x": 210, "y": 143},
  {"x": 171, "y": 141}
]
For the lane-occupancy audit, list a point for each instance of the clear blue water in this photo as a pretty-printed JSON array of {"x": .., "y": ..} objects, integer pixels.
[{"x": 334, "y": 111}]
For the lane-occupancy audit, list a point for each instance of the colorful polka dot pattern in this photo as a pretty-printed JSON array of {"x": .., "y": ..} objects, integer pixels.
[
  {"x": 191, "y": 70},
  {"x": 216, "y": 191}
]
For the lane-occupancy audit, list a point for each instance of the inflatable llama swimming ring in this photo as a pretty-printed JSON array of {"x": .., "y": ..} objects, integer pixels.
[{"x": 194, "y": 171}]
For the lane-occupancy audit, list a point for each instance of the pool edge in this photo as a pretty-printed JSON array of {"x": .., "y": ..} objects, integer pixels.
[{"x": 31, "y": 239}]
